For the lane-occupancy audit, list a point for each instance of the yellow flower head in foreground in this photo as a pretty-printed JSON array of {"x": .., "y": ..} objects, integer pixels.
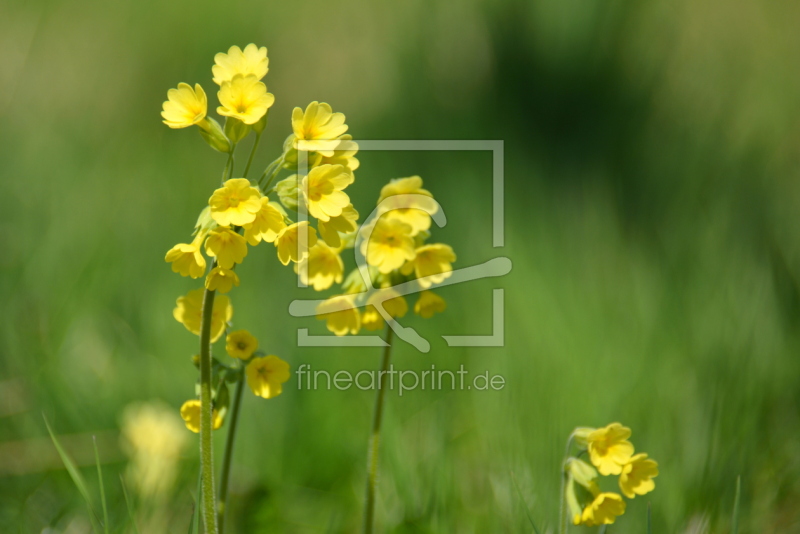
[
  {"x": 604, "y": 510},
  {"x": 340, "y": 314},
  {"x": 241, "y": 344},
  {"x": 344, "y": 154},
  {"x": 227, "y": 246},
  {"x": 185, "y": 106},
  {"x": 317, "y": 123},
  {"x": 321, "y": 268},
  {"x": 387, "y": 244},
  {"x": 244, "y": 98},
  {"x": 266, "y": 375},
  {"x": 637, "y": 476},
  {"x": 395, "y": 305},
  {"x": 190, "y": 413},
  {"x": 429, "y": 303},
  {"x": 343, "y": 224},
  {"x": 267, "y": 225},
  {"x": 323, "y": 192},
  {"x": 415, "y": 211},
  {"x": 432, "y": 265},
  {"x": 251, "y": 60},
  {"x": 189, "y": 312},
  {"x": 187, "y": 259},
  {"x": 609, "y": 448},
  {"x": 236, "y": 203},
  {"x": 222, "y": 280},
  {"x": 288, "y": 242}
]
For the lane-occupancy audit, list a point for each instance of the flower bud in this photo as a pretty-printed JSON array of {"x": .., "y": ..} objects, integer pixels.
[
  {"x": 288, "y": 192},
  {"x": 214, "y": 136}
]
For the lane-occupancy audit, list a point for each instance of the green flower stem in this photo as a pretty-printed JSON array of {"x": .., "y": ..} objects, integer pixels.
[
  {"x": 206, "y": 440},
  {"x": 562, "y": 512},
  {"x": 374, "y": 440},
  {"x": 252, "y": 154},
  {"x": 226, "y": 461}
]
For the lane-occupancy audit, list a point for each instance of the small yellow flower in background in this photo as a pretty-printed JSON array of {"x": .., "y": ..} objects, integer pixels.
[
  {"x": 190, "y": 413},
  {"x": 604, "y": 510},
  {"x": 387, "y": 244},
  {"x": 321, "y": 268},
  {"x": 185, "y": 107},
  {"x": 344, "y": 154},
  {"x": 323, "y": 192},
  {"x": 244, "y": 98},
  {"x": 227, "y": 246},
  {"x": 340, "y": 314},
  {"x": 609, "y": 448},
  {"x": 189, "y": 311},
  {"x": 241, "y": 344},
  {"x": 235, "y": 203},
  {"x": 428, "y": 304},
  {"x": 414, "y": 212},
  {"x": 251, "y": 60},
  {"x": 637, "y": 476},
  {"x": 343, "y": 224},
  {"x": 432, "y": 264},
  {"x": 288, "y": 242},
  {"x": 266, "y": 376},
  {"x": 395, "y": 305},
  {"x": 222, "y": 280},
  {"x": 267, "y": 225},
  {"x": 186, "y": 258},
  {"x": 317, "y": 123}
]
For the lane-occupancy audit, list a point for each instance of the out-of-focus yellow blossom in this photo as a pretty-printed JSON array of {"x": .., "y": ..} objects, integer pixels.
[
  {"x": 432, "y": 264},
  {"x": 323, "y": 192},
  {"x": 227, "y": 246},
  {"x": 190, "y": 413},
  {"x": 387, "y": 244},
  {"x": 267, "y": 225},
  {"x": 288, "y": 242},
  {"x": 344, "y": 154},
  {"x": 187, "y": 259},
  {"x": 428, "y": 304},
  {"x": 343, "y": 224},
  {"x": 244, "y": 98},
  {"x": 395, "y": 305},
  {"x": 609, "y": 448},
  {"x": 317, "y": 125},
  {"x": 222, "y": 280},
  {"x": 413, "y": 211},
  {"x": 235, "y": 203},
  {"x": 251, "y": 60},
  {"x": 266, "y": 376},
  {"x": 340, "y": 314},
  {"x": 637, "y": 476},
  {"x": 185, "y": 107},
  {"x": 241, "y": 344},
  {"x": 604, "y": 510},
  {"x": 321, "y": 268},
  {"x": 189, "y": 312}
]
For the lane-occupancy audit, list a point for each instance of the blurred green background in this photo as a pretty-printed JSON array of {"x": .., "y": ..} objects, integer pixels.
[{"x": 652, "y": 191}]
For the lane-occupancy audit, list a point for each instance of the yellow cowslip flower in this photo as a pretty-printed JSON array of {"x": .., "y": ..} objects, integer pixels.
[
  {"x": 185, "y": 107},
  {"x": 321, "y": 268},
  {"x": 413, "y": 211},
  {"x": 637, "y": 476},
  {"x": 189, "y": 312},
  {"x": 190, "y": 413},
  {"x": 241, "y": 344},
  {"x": 265, "y": 376},
  {"x": 317, "y": 123},
  {"x": 429, "y": 303},
  {"x": 432, "y": 264},
  {"x": 603, "y": 510},
  {"x": 227, "y": 246},
  {"x": 288, "y": 242},
  {"x": 267, "y": 225},
  {"x": 187, "y": 259},
  {"x": 585, "y": 476},
  {"x": 222, "y": 280},
  {"x": 343, "y": 224},
  {"x": 340, "y": 314},
  {"x": 395, "y": 305},
  {"x": 344, "y": 154},
  {"x": 244, "y": 98},
  {"x": 235, "y": 203},
  {"x": 609, "y": 448},
  {"x": 387, "y": 244},
  {"x": 323, "y": 192},
  {"x": 251, "y": 60}
]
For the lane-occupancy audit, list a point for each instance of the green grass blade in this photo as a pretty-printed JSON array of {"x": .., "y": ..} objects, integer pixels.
[
  {"x": 527, "y": 510},
  {"x": 736, "y": 500},
  {"x": 194, "y": 525},
  {"x": 129, "y": 505},
  {"x": 649, "y": 520},
  {"x": 102, "y": 488}
]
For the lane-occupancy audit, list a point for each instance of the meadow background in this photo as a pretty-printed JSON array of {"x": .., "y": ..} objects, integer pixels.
[{"x": 652, "y": 195}]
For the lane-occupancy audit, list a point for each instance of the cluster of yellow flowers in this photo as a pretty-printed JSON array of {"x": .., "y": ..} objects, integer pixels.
[
  {"x": 394, "y": 246},
  {"x": 610, "y": 453}
]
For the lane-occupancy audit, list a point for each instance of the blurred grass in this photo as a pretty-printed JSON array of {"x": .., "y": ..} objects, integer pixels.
[{"x": 652, "y": 186}]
